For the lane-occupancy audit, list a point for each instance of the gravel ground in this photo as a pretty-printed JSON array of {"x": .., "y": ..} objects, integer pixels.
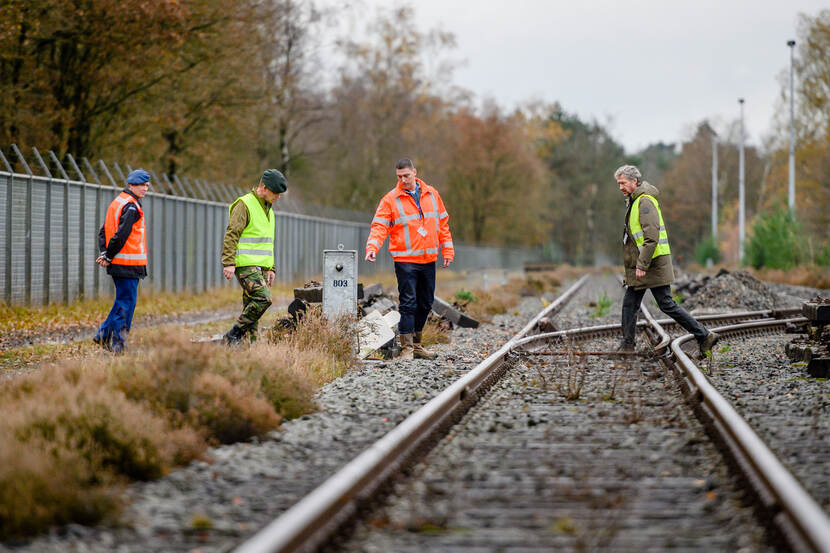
[
  {"x": 625, "y": 467},
  {"x": 212, "y": 506},
  {"x": 789, "y": 410}
]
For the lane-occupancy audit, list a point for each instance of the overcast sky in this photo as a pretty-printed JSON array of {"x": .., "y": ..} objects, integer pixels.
[{"x": 653, "y": 68}]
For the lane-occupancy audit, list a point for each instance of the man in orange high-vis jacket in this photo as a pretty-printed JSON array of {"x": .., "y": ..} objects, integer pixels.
[
  {"x": 122, "y": 242},
  {"x": 414, "y": 217}
]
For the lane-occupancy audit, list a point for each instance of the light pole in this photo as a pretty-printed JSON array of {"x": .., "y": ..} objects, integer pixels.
[
  {"x": 741, "y": 229},
  {"x": 715, "y": 187},
  {"x": 791, "y": 188}
]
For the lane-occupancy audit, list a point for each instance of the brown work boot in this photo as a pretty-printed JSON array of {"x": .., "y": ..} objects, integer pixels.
[
  {"x": 406, "y": 346},
  {"x": 419, "y": 351},
  {"x": 708, "y": 343}
]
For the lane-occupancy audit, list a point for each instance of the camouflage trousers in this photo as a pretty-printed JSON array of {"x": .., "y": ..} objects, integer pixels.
[{"x": 256, "y": 298}]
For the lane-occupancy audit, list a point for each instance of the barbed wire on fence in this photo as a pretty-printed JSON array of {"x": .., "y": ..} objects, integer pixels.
[{"x": 49, "y": 223}]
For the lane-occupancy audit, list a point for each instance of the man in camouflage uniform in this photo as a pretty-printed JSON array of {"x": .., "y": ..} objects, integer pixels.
[{"x": 248, "y": 251}]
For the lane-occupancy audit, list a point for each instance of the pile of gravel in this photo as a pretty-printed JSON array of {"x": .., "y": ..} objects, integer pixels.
[{"x": 736, "y": 291}]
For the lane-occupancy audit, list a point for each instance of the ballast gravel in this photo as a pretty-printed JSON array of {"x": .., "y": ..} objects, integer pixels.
[{"x": 212, "y": 506}]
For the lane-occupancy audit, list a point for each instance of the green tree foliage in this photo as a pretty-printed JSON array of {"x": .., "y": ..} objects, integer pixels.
[
  {"x": 586, "y": 208},
  {"x": 707, "y": 249},
  {"x": 777, "y": 241}
]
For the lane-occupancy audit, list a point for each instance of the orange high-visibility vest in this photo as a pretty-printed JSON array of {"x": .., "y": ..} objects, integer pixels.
[
  {"x": 413, "y": 237},
  {"x": 134, "y": 251}
]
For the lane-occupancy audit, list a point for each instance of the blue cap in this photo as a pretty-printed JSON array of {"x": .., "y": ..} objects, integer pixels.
[{"x": 139, "y": 176}]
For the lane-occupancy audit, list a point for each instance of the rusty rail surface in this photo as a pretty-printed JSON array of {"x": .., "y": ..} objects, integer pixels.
[
  {"x": 315, "y": 518},
  {"x": 802, "y": 523}
]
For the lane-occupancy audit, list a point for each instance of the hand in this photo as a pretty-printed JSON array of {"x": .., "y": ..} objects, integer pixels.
[
  {"x": 371, "y": 256},
  {"x": 102, "y": 261},
  {"x": 639, "y": 273},
  {"x": 229, "y": 271},
  {"x": 269, "y": 278},
  {"x": 447, "y": 262}
]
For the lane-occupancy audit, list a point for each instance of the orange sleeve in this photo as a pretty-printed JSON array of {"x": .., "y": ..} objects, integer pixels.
[
  {"x": 444, "y": 236},
  {"x": 381, "y": 223}
]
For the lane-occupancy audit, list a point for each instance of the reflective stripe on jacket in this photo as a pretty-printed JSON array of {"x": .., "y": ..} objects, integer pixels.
[
  {"x": 134, "y": 251},
  {"x": 256, "y": 243},
  {"x": 637, "y": 230},
  {"x": 413, "y": 238}
]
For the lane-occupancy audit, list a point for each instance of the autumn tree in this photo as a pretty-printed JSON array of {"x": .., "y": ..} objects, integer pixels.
[
  {"x": 812, "y": 125},
  {"x": 686, "y": 190},
  {"x": 69, "y": 69},
  {"x": 385, "y": 106},
  {"x": 496, "y": 183},
  {"x": 293, "y": 105}
]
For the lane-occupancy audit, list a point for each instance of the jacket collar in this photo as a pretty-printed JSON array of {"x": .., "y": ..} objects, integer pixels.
[
  {"x": 136, "y": 198},
  {"x": 401, "y": 191}
]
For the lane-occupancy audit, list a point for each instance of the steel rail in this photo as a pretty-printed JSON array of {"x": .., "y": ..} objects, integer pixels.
[
  {"x": 598, "y": 331},
  {"x": 800, "y": 520},
  {"x": 804, "y": 524},
  {"x": 316, "y": 517}
]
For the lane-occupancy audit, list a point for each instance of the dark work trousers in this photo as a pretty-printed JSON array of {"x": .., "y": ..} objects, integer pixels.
[
  {"x": 631, "y": 303},
  {"x": 113, "y": 331},
  {"x": 416, "y": 291}
]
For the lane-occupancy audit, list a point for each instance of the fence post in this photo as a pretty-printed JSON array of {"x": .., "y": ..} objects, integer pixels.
[
  {"x": 187, "y": 192},
  {"x": 107, "y": 172},
  {"x": 81, "y": 227},
  {"x": 96, "y": 279},
  {"x": 27, "y": 266},
  {"x": 7, "y": 293},
  {"x": 92, "y": 172},
  {"x": 175, "y": 190},
  {"x": 120, "y": 172},
  {"x": 65, "y": 279},
  {"x": 47, "y": 232}
]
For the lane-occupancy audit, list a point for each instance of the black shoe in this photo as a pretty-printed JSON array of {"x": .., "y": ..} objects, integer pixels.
[
  {"x": 708, "y": 343},
  {"x": 625, "y": 347},
  {"x": 233, "y": 337}
]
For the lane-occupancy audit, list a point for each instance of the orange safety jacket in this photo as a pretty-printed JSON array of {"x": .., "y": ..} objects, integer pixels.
[
  {"x": 134, "y": 251},
  {"x": 413, "y": 238}
]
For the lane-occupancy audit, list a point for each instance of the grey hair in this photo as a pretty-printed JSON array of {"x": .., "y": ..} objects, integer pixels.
[{"x": 630, "y": 172}]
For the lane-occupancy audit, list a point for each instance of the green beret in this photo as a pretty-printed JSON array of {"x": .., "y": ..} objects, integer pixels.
[{"x": 274, "y": 181}]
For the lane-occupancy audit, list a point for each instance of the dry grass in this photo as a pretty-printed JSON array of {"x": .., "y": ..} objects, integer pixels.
[
  {"x": 500, "y": 300},
  {"x": 73, "y": 433},
  {"x": 19, "y": 321},
  {"x": 812, "y": 276},
  {"x": 433, "y": 333}
]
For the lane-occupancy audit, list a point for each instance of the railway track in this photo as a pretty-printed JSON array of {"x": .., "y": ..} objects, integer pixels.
[{"x": 529, "y": 468}]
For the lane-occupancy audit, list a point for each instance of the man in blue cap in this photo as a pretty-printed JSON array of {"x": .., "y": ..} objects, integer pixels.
[{"x": 122, "y": 242}]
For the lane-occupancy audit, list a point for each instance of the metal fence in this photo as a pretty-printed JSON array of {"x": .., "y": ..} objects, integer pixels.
[{"x": 49, "y": 224}]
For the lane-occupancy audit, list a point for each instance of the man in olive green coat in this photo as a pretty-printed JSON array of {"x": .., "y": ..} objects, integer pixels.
[
  {"x": 248, "y": 251},
  {"x": 647, "y": 261}
]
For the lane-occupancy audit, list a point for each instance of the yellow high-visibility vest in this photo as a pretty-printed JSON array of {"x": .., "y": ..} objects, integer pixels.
[
  {"x": 637, "y": 231},
  {"x": 256, "y": 243}
]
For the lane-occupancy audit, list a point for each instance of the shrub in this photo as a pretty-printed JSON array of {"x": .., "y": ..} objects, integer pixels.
[
  {"x": 776, "y": 241},
  {"x": 707, "y": 249},
  {"x": 465, "y": 296},
  {"x": 229, "y": 412},
  {"x": 37, "y": 491}
]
